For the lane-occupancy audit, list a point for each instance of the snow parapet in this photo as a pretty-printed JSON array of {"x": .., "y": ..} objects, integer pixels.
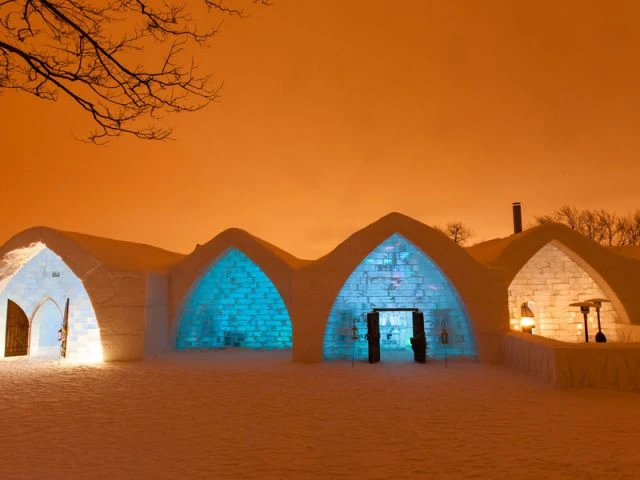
[{"x": 565, "y": 365}]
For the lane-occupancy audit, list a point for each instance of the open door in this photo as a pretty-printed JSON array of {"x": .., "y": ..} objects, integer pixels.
[
  {"x": 373, "y": 336},
  {"x": 64, "y": 331},
  {"x": 419, "y": 341},
  {"x": 17, "y": 334}
]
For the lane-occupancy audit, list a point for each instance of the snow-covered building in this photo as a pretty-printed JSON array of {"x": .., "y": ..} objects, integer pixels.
[
  {"x": 398, "y": 262},
  {"x": 393, "y": 281},
  {"x": 552, "y": 266},
  {"x": 238, "y": 290},
  {"x": 111, "y": 295}
]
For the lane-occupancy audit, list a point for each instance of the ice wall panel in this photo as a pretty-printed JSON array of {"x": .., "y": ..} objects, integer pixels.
[{"x": 235, "y": 304}]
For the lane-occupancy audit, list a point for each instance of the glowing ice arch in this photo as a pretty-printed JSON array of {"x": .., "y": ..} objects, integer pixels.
[
  {"x": 32, "y": 275},
  {"x": 397, "y": 274},
  {"x": 551, "y": 279},
  {"x": 234, "y": 304}
]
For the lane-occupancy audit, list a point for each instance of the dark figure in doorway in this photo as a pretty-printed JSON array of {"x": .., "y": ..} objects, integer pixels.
[{"x": 419, "y": 347}]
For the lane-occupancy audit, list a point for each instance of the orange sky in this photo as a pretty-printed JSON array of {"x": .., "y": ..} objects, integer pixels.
[{"x": 337, "y": 112}]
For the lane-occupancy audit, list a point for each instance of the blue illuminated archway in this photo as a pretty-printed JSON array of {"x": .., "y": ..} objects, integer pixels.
[
  {"x": 397, "y": 275},
  {"x": 234, "y": 304}
]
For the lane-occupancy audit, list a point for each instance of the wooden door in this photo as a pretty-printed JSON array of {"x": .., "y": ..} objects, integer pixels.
[
  {"x": 16, "y": 341},
  {"x": 419, "y": 341},
  {"x": 64, "y": 331},
  {"x": 373, "y": 336}
]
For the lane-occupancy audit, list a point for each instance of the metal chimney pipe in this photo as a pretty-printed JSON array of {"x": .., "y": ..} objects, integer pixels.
[{"x": 517, "y": 217}]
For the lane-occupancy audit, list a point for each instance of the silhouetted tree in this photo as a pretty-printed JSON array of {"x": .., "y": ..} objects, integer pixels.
[
  {"x": 607, "y": 226},
  {"x": 457, "y": 232},
  {"x": 599, "y": 225},
  {"x": 97, "y": 53},
  {"x": 628, "y": 229}
]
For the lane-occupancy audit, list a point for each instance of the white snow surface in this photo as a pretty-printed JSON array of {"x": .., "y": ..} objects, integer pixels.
[{"x": 257, "y": 415}]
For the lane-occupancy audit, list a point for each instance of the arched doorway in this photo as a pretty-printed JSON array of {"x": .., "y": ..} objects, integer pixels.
[
  {"x": 45, "y": 325},
  {"x": 397, "y": 275},
  {"x": 234, "y": 304},
  {"x": 550, "y": 281},
  {"x": 36, "y": 274}
]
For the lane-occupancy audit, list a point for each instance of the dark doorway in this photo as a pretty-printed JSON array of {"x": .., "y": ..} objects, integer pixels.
[
  {"x": 373, "y": 336},
  {"x": 17, "y": 333},
  {"x": 418, "y": 341}
]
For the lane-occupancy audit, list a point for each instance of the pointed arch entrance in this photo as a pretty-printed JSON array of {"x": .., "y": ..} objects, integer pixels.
[
  {"x": 234, "y": 304},
  {"x": 397, "y": 275},
  {"x": 39, "y": 281},
  {"x": 552, "y": 279},
  {"x": 46, "y": 323}
]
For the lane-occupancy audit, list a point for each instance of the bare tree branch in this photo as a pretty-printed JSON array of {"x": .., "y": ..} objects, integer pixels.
[{"x": 96, "y": 53}]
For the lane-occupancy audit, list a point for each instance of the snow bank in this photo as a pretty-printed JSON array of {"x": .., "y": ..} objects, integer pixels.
[
  {"x": 608, "y": 365},
  {"x": 246, "y": 415}
]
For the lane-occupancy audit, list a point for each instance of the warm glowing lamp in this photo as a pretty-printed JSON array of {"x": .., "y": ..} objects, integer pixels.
[{"x": 526, "y": 318}]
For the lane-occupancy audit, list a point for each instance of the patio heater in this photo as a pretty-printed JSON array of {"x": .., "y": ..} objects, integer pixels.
[
  {"x": 584, "y": 308},
  {"x": 597, "y": 304}
]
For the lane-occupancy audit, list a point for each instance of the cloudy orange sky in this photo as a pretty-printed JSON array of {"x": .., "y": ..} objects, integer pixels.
[{"x": 337, "y": 112}]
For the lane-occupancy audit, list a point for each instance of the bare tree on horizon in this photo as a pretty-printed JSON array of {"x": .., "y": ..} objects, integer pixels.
[
  {"x": 599, "y": 225},
  {"x": 457, "y": 232},
  {"x": 98, "y": 53}
]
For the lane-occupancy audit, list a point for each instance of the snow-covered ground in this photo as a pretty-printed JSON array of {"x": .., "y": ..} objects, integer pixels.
[{"x": 237, "y": 414}]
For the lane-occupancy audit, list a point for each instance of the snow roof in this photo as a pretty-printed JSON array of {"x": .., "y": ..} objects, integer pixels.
[
  {"x": 382, "y": 228},
  {"x": 631, "y": 251},
  {"x": 131, "y": 256},
  {"x": 486, "y": 252},
  {"x": 285, "y": 256},
  {"x": 245, "y": 241},
  {"x": 115, "y": 254},
  {"x": 124, "y": 255},
  {"x": 494, "y": 252}
]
